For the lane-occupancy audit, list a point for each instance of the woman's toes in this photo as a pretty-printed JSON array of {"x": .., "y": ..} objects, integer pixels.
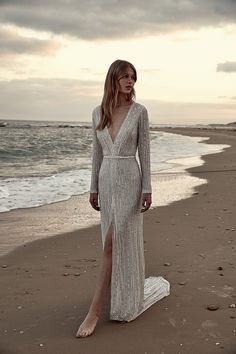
[
  {"x": 87, "y": 327},
  {"x": 79, "y": 334}
]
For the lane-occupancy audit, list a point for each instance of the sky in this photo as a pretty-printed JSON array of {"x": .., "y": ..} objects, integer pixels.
[{"x": 54, "y": 56}]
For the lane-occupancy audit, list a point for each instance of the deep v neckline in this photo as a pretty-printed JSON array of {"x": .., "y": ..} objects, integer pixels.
[{"x": 125, "y": 118}]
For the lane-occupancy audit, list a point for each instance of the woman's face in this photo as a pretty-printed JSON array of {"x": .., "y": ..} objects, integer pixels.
[{"x": 126, "y": 81}]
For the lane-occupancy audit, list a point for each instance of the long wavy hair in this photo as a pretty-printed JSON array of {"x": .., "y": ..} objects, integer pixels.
[{"x": 111, "y": 90}]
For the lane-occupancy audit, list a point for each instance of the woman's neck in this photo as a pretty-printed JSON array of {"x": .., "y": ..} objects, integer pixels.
[{"x": 122, "y": 101}]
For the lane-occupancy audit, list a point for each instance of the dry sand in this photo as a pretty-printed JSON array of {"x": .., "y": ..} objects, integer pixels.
[{"x": 47, "y": 285}]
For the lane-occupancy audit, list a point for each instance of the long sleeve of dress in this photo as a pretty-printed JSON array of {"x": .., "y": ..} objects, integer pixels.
[
  {"x": 97, "y": 157},
  {"x": 144, "y": 151}
]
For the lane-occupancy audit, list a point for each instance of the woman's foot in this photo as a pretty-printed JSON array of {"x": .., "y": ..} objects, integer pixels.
[{"x": 87, "y": 327}]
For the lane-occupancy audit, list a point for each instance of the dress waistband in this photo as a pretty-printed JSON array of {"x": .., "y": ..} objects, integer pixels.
[{"x": 119, "y": 156}]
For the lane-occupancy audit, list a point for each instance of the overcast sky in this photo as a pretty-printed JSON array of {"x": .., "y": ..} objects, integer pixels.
[{"x": 54, "y": 56}]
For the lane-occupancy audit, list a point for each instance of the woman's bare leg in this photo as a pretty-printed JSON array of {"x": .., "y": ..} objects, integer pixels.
[{"x": 103, "y": 282}]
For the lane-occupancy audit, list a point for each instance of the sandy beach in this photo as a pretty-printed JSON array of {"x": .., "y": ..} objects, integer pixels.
[{"x": 47, "y": 285}]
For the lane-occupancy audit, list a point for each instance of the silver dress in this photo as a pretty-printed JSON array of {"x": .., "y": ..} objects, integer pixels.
[{"x": 120, "y": 181}]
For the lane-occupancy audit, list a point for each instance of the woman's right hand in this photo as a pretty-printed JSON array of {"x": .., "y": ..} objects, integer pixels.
[{"x": 93, "y": 200}]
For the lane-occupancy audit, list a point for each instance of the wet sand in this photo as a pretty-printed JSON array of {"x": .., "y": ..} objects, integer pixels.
[{"x": 47, "y": 285}]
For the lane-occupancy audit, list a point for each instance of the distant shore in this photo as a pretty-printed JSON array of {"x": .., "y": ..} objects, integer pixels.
[{"x": 47, "y": 285}]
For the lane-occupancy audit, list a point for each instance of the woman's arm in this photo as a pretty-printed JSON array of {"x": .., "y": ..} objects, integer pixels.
[
  {"x": 144, "y": 151},
  {"x": 97, "y": 157}
]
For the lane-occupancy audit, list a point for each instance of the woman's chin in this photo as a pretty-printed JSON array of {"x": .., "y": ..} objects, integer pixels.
[{"x": 126, "y": 92}]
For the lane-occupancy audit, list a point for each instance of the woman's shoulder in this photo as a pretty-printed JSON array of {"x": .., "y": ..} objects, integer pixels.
[
  {"x": 141, "y": 107},
  {"x": 96, "y": 113},
  {"x": 96, "y": 109}
]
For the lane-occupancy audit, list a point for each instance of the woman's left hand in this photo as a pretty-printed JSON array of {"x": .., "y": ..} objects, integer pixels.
[{"x": 146, "y": 201}]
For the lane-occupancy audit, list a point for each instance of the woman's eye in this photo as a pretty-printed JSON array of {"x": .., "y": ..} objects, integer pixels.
[{"x": 126, "y": 76}]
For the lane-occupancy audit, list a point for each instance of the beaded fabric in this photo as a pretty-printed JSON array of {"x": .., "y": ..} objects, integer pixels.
[{"x": 120, "y": 181}]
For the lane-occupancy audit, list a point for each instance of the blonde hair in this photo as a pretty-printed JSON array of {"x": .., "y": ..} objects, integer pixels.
[{"x": 111, "y": 90}]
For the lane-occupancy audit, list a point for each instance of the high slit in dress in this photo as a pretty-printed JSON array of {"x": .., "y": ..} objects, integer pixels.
[{"x": 120, "y": 181}]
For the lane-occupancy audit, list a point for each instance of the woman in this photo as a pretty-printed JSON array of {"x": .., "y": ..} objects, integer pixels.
[{"x": 121, "y": 191}]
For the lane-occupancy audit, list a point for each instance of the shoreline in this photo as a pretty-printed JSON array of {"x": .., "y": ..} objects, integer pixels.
[
  {"x": 16, "y": 191},
  {"x": 50, "y": 220},
  {"x": 48, "y": 284}
]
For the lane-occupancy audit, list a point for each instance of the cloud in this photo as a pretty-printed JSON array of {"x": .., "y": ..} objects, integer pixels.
[
  {"x": 227, "y": 67},
  {"x": 190, "y": 112},
  {"x": 12, "y": 43},
  {"x": 227, "y": 97},
  {"x": 48, "y": 99},
  {"x": 73, "y": 100},
  {"x": 45, "y": 89},
  {"x": 107, "y": 19}
]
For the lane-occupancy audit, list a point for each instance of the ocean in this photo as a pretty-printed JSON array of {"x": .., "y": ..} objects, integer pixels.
[
  {"x": 45, "y": 170},
  {"x": 47, "y": 162}
]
